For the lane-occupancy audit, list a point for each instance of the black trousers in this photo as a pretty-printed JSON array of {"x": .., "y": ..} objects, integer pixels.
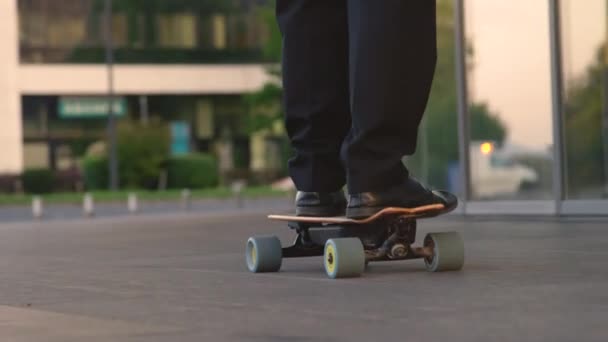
[{"x": 357, "y": 76}]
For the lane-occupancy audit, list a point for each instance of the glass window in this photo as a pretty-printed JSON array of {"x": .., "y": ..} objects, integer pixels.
[
  {"x": 177, "y": 30},
  {"x": 218, "y": 29},
  {"x": 436, "y": 159},
  {"x": 510, "y": 100},
  {"x": 163, "y": 31},
  {"x": 585, "y": 70},
  {"x": 120, "y": 29}
]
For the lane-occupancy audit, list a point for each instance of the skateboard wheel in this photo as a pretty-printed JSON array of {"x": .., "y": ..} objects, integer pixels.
[
  {"x": 264, "y": 254},
  {"x": 344, "y": 258},
  {"x": 448, "y": 252}
]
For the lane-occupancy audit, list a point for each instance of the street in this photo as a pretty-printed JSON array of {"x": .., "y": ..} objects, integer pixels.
[{"x": 182, "y": 277}]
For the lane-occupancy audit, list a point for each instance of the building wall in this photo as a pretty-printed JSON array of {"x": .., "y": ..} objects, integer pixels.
[
  {"x": 11, "y": 146},
  {"x": 92, "y": 79}
]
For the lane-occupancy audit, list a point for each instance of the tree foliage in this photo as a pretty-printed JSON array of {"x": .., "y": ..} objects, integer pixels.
[
  {"x": 265, "y": 104},
  {"x": 438, "y": 137},
  {"x": 141, "y": 153},
  {"x": 584, "y": 111},
  {"x": 485, "y": 125}
]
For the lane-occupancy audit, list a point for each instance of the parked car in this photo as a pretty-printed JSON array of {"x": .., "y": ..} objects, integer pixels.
[{"x": 494, "y": 174}]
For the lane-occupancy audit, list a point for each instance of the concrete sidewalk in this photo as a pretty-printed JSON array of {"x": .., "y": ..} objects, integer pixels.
[
  {"x": 183, "y": 278},
  {"x": 53, "y": 212}
]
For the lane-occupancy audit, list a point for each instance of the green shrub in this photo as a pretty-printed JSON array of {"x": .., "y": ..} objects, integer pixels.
[
  {"x": 38, "y": 181},
  {"x": 9, "y": 183},
  {"x": 193, "y": 171},
  {"x": 95, "y": 173},
  {"x": 141, "y": 152}
]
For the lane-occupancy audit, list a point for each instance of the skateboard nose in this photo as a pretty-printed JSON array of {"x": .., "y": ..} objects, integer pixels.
[{"x": 450, "y": 201}]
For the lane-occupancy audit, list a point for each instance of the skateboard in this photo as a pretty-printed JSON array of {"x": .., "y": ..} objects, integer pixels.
[{"x": 348, "y": 245}]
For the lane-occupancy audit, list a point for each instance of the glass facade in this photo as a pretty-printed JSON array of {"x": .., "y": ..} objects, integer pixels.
[
  {"x": 585, "y": 73},
  {"x": 510, "y": 142},
  {"x": 536, "y": 117},
  {"x": 151, "y": 31},
  {"x": 436, "y": 161}
]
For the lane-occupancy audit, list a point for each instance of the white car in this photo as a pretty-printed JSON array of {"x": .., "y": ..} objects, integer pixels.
[{"x": 493, "y": 175}]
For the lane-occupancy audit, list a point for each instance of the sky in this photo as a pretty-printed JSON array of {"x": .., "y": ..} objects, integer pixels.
[{"x": 512, "y": 63}]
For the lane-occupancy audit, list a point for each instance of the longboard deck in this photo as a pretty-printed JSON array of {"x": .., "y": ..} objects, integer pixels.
[{"x": 419, "y": 212}]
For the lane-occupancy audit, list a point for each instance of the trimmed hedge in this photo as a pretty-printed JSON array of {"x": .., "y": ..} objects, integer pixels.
[
  {"x": 38, "y": 181},
  {"x": 68, "y": 180},
  {"x": 140, "y": 151},
  {"x": 194, "y": 171},
  {"x": 41, "y": 181},
  {"x": 95, "y": 173},
  {"x": 10, "y": 183}
]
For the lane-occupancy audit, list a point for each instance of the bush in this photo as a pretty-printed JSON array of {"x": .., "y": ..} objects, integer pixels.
[
  {"x": 141, "y": 152},
  {"x": 10, "y": 183},
  {"x": 192, "y": 171},
  {"x": 38, "y": 181},
  {"x": 68, "y": 180},
  {"x": 95, "y": 173}
]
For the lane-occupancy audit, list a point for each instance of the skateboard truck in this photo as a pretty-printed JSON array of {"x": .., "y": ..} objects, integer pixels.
[{"x": 387, "y": 239}]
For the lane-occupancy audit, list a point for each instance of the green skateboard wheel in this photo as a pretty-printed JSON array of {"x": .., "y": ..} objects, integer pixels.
[
  {"x": 263, "y": 254},
  {"x": 344, "y": 258},
  {"x": 448, "y": 252}
]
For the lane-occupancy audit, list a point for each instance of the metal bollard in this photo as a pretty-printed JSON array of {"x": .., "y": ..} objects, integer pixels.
[
  {"x": 186, "y": 199},
  {"x": 237, "y": 190},
  {"x": 37, "y": 207},
  {"x": 88, "y": 205},
  {"x": 132, "y": 203}
]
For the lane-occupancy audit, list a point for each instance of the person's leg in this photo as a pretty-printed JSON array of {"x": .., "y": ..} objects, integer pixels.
[
  {"x": 315, "y": 80},
  {"x": 392, "y": 62},
  {"x": 393, "y": 54}
]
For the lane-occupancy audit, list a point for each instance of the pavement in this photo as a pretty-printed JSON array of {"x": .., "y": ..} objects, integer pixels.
[
  {"x": 20, "y": 213},
  {"x": 182, "y": 277}
]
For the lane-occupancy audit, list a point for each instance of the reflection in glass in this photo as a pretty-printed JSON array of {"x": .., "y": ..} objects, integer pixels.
[
  {"x": 510, "y": 100},
  {"x": 586, "y": 88},
  {"x": 436, "y": 158},
  {"x": 177, "y": 30},
  {"x": 154, "y": 31}
]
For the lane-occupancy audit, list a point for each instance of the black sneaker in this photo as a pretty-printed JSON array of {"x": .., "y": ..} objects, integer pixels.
[
  {"x": 320, "y": 203},
  {"x": 410, "y": 194}
]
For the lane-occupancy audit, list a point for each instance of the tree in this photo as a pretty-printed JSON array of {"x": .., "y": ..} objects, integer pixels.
[
  {"x": 485, "y": 125},
  {"x": 438, "y": 136},
  {"x": 265, "y": 104},
  {"x": 586, "y": 129}
]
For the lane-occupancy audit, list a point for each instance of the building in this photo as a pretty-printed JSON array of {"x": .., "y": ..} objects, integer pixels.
[{"x": 181, "y": 62}]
